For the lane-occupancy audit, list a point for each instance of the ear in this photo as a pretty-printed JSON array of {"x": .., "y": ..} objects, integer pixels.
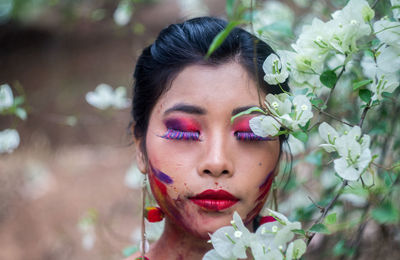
[{"x": 141, "y": 160}]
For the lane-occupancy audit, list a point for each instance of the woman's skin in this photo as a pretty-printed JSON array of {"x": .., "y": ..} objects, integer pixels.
[{"x": 192, "y": 146}]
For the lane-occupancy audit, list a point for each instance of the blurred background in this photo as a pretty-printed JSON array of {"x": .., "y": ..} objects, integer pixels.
[
  {"x": 63, "y": 193},
  {"x": 70, "y": 190}
]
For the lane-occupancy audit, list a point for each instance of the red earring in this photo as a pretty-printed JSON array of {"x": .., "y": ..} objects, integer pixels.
[{"x": 154, "y": 214}]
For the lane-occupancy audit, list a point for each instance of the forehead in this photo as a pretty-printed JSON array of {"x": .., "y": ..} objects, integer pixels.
[{"x": 226, "y": 85}]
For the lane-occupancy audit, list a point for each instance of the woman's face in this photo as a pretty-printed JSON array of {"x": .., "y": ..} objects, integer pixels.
[{"x": 202, "y": 167}]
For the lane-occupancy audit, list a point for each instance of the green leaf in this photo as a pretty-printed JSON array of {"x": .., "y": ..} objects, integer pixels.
[
  {"x": 21, "y": 113},
  {"x": 301, "y": 136},
  {"x": 328, "y": 78},
  {"x": 248, "y": 111},
  {"x": 229, "y": 7},
  {"x": 341, "y": 249},
  {"x": 361, "y": 83},
  {"x": 299, "y": 232},
  {"x": 19, "y": 100},
  {"x": 320, "y": 228},
  {"x": 365, "y": 95},
  {"x": 330, "y": 219},
  {"x": 317, "y": 102},
  {"x": 219, "y": 39},
  {"x": 385, "y": 213}
]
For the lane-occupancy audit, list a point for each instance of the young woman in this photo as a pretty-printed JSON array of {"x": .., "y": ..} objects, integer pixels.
[{"x": 201, "y": 166}]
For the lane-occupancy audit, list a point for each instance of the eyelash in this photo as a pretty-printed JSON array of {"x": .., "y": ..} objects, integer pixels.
[
  {"x": 173, "y": 134},
  {"x": 250, "y": 136}
]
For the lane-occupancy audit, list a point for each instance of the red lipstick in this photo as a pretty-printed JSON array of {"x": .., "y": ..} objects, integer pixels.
[{"x": 214, "y": 200}]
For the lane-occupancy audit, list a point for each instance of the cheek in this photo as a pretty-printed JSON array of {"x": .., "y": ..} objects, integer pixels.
[{"x": 263, "y": 191}]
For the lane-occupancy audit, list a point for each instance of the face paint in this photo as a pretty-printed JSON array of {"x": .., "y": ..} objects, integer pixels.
[
  {"x": 160, "y": 175},
  {"x": 264, "y": 189},
  {"x": 181, "y": 129},
  {"x": 243, "y": 132}
]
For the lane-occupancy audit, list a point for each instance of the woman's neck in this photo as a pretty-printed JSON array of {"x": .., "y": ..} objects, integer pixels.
[{"x": 176, "y": 244}]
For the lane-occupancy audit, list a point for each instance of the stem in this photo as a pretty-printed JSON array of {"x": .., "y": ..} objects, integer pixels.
[
  {"x": 332, "y": 116},
  {"x": 374, "y": 4},
  {"x": 333, "y": 88},
  {"x": 364, "y": 114},
  {"x": 326, "y": 209},
  {"x": 144, "y": 190}
]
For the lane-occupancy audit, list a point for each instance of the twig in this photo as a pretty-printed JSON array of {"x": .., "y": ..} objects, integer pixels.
[
  {"x": 333, "y": 88},
  {"x": 364, "y": 114},
  {"x": 374, "y": 4},
  {"x": 326, "y": 209},
  {"x": 332, "y": 116}
]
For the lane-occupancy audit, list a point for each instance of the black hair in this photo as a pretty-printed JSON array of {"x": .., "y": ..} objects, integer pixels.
[{"x": 187, "y": 43}]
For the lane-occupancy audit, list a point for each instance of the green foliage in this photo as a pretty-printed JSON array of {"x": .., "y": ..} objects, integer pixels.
[
  {"x": 386, "y": 213},
  {"x": 219, "y": 39},
  {"x": 330, "y": 219},
  {"x": 365, "y": 95},
  {"x": 328, "y": 78},
  {"x": 320, "y": 228}
]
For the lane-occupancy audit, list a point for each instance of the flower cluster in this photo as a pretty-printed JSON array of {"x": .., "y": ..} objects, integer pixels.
[
  {"x": 268, "y": 242},
  {"x": 352, "y": 147},
  {"x": 9, "y": 138},
  {"x": 104, "y": 97},
  {"x": 284, "y": 110}
]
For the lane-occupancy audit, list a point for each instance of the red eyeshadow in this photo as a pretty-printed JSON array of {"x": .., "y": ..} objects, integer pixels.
[
  {"x": 241, "y": 124},
  {"x": 182, "y": 124}
]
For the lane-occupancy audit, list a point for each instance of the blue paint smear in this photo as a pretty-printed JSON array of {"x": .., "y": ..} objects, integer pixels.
[
  {"x": 267, "y": 179},
  {"x": 161, "y": 176}
]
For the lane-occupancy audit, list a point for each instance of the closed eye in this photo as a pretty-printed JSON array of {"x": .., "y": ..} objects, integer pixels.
[
  {"x": 250, "y": 136},
  {"x": 173, "y": 134}
]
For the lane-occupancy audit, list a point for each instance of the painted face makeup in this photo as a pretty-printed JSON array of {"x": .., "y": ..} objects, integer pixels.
[
  {"x": 181, "y": 129},
  {"x": 242, "y": 131},
  {"x": 204, "y": 167}
]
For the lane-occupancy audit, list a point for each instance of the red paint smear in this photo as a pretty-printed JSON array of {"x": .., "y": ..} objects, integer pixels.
[
  {"x": 161, "y": 186},
  {"x": 254, "y": 212},
  {"x": 265, "y": 188},
  {"x": 182, "y": 124}
]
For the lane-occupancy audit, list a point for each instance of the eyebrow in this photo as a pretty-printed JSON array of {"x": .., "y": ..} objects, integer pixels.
[
  {"x": 240, "y": 109},
  {"x": 190, "y": 109}
]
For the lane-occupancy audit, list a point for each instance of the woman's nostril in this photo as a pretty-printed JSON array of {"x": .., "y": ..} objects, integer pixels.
[
  {"x": 207, "y": 171},
  {"x": 225, "y": 172}
]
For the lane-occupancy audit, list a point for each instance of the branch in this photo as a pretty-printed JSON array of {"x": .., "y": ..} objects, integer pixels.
[
  {"x": 326, "y": 209},
  {"x": 331, "y": 116},
  {"x": 333, "y": 88}
]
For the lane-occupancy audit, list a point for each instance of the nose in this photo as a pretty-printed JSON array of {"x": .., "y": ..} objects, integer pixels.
[{"x": 216, "y": 159}]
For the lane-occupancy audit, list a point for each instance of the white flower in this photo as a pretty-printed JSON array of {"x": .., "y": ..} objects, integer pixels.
[
  {"x": 296, "y": 146},
  {"x": 355, "y": 154},
  {"x": 396, "y": 9},
  {"x": 275, "y": 70},
  {"x": 6, "y": 97},
  {"x": 369, "y": 66},
  {"x": 389, "y": 59},
  {"x": 329, "y": 135},
  {"x": 348, "y": 26},
  {"x": 264, "y": 126},
  {"x": 383, "y": 82},
  {"x": 123, "y": 13},
  {"x": 296, "y": 249},
  {"x": 104, "y": 97},
  {"x": 231, "y": 241},
  {"x": 388, "y": 32},
  {"x": 279, "y": 104},
  {"x": 9, "y": 140},
  {"x": 213, "y": 255}
]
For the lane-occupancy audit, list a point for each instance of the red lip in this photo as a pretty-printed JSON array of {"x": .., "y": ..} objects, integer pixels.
[{"x": 214, "y": 200}]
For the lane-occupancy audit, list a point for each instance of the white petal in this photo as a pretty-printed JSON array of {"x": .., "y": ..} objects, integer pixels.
[
  {"x": 6, "y": 97},
  {"x": 347, "y": 173},
  {"x": 264, "y": 126},
  {"x": 9, "y": 140}
]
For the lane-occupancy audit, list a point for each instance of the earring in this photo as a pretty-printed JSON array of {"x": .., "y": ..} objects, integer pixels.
[
  {"x": 154, "y": 214},
  {"x": 144, "y": 243}
]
